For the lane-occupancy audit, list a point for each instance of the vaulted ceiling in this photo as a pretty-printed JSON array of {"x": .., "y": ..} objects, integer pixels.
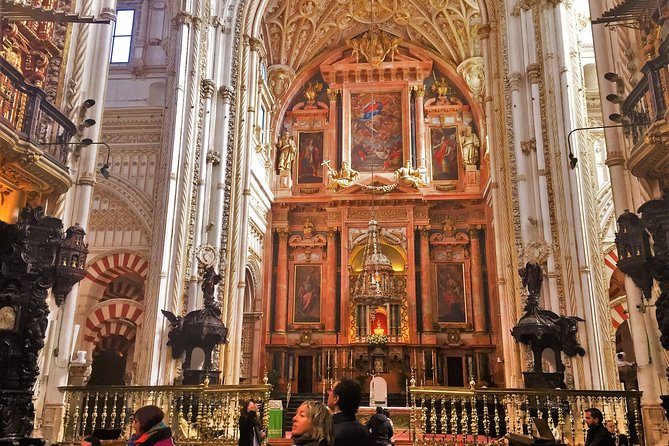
[{"x": 298, "y": 31}]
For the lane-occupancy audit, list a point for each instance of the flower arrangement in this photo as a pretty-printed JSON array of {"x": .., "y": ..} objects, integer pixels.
[{"x": 377, "y": 338}]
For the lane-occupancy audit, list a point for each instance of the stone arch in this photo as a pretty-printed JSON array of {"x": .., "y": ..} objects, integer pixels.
[
  {"x": 102, "y": 315},
  {"x": 103, "y": 270}
]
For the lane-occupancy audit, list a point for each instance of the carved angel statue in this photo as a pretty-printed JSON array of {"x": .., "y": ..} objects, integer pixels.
[
  {"x": 440, "y": 86},
  {"x": 312, "y": 90},
  {"x": 470, "y": 147},
  {"x": 287, "y": 151},
  {"x": 409, "y": 176},
  {"x": 344, "y": 178}
]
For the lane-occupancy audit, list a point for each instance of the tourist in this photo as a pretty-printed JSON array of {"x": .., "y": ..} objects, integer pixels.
[
  {"x": 90, "y": 441},
  {"x": 380, "y": 428},
  {"x": 250, "y": 433},
  {"x": 597, "y": 433},
  {"x": 344, "y": 400},
  {"x": 618, "y": 438},
  {"x": 312, "y": 425},
  {"x": 147, "y": 422}
]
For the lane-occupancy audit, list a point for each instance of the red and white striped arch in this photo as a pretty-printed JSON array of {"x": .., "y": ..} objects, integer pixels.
[
  {"x": 122, "y": 288},
  {"x": 618, "y": 303},
  {"x": 106, "y": 269},
  {"x": 112, "y": 310},
  {"x": 111, "y": 343},
  {"x": 116, "y": 327}
]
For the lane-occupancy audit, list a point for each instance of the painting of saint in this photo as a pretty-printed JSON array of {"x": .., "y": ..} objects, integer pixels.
[
  {"x": 444, "y": 153},
  {"x": 450, "y": 292},
  {"x": 309, "y": 169},
  {"x": 307, "y": 292},
  {"x": 376, "y": 131}
]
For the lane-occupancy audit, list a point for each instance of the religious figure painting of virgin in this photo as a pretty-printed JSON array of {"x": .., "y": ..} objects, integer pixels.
[
  {"x": 444, "y": 149},
  {"x": 450, "y": 291},
  {"x": 376, "y": 131},
  {"x": 309, "y": 168},
  {"x": 307, "y": 292}
]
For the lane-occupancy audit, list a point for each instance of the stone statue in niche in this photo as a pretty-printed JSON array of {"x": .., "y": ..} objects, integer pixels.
[
  {"x": 287, "y": 151},
  {"x": 344, "y": 178},
  {"x": 470, "y": 147},
  {"x": 409, "y": 176}
]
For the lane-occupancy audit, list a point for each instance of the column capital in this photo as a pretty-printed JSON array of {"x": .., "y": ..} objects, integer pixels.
[
  {"x": 474, "y": 231},
  {"x": 332, "y": 231},
  {"x": 424, "y": 230},
  {"x": 514, "y": 81},
  {"x": 533, "y": 73},
  {"x": 225, "y": 92},
  {"x": 333, "y": 93},
  {"x": 528, "y": 146},
  {"x": 418, "y": 90},
  {"x": 283, "y": 233},
  {"x": 208, "y": 88}
]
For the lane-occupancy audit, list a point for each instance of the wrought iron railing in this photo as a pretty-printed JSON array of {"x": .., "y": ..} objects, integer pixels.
[
  {"x": 196, "y": 414},
  {"x": 25, "y": 109},
  {"x": 449, "y": 416},
  {"x": 647, "y": 102}
]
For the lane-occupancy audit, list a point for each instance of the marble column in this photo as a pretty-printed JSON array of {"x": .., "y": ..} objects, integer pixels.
[
  {"x": 280, "y": 312},
  {"x": 330, "y": 291},
  {"x": 419, "y": 93},
  {"x": 332, "y": 154},
  {"x": 428, "y": 320},
  {"x": 476, "y": 274}
]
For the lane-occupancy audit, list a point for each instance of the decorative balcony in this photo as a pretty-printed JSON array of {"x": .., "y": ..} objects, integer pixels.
[
  {"x": 645, "y": 109},
  {"x": 29, "y": 127}
]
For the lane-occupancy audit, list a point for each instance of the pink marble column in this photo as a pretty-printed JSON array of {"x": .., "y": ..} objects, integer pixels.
[
  {"x": 477, "y": 278},
  {"x": 419, "y": 93},
  {"x": 280, "y": 313},
  {"x": 428, "y": 311},
  {"x": 331, "y": 265}
]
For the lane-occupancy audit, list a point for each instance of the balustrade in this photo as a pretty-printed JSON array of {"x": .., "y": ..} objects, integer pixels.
[
  {"x": 25, "y": 110},
  {"x": 196, "y": 414},
  {"x": 450, "y": 416}
]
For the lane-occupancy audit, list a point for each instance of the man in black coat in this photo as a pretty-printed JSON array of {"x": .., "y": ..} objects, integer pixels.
[
  {"x": 344, "y": 400},
  {"x": 598, "y": 435},
  {"x": 380, "y": 428}
]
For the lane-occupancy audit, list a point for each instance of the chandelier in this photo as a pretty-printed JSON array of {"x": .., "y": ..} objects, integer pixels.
[{"x": 374, "y": 285}]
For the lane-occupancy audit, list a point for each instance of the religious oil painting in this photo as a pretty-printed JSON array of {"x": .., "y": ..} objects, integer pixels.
[
  {"x": 450, "y": 291},
  {"x": 376, "y": 131},
  {"x": 309, "y": 168},
  {"x": 307, "y": 294},
  {"x": 444, "y": 150}
]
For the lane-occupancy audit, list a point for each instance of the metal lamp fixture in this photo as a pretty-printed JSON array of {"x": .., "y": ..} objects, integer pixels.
[{"x": 104, "y": 170}]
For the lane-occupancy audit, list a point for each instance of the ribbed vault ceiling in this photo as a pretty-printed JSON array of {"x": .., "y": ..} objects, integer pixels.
[{"x": 298, "y": 31}]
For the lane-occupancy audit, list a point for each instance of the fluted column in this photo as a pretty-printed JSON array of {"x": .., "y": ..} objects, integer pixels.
[
  {"x": 419, "y": 93},
  {"x": 332, "y": 154},
  {"x": 330, "y": 292},
  {"x": 281, "y": 310},
  {"x": 428, "y": 321},
  {"x": 477, "y": 278}
]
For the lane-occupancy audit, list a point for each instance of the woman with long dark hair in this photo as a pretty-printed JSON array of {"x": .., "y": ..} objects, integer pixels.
[
  {"x": 147, "y": 423},
  {"x": 250, "y": 433}
]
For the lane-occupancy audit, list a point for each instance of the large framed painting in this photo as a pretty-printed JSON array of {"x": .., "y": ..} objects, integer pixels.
[
  {"x": 377, "y": 131},
  {"x": 450, "y": 290},
  {"x": 444, "y": 150},
  {"x": 309, "y": 167},
  {"x": 307, "y": 294}
]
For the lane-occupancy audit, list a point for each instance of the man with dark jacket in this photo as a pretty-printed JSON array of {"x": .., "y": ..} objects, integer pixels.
[
  {"x": 380, "y": 428},
  {"x": 598, "y": 435},
  {"x": 344, "y": 400}
]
